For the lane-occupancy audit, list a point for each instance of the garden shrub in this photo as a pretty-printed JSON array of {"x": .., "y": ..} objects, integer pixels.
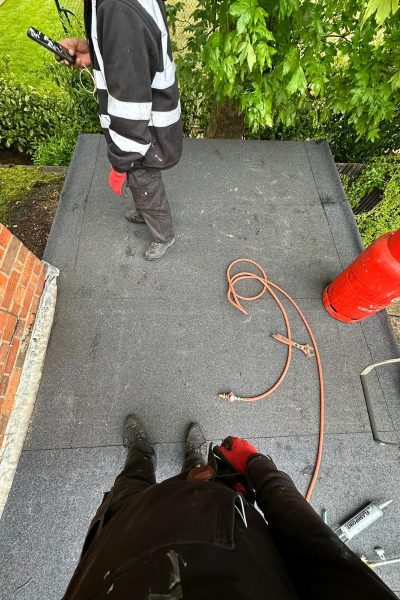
[
  {"x": 81, "y": 116},
  {"x": 45, "y": 126},
  {"x": 27, "y": 117},
  {"x": 382, "y": 173}
]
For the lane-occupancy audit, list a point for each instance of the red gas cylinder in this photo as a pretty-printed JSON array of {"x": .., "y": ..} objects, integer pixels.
[{"x": 369, "y": 284}]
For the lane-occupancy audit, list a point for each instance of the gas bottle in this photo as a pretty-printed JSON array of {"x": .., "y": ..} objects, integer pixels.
[{"x": 369, "y": 284}]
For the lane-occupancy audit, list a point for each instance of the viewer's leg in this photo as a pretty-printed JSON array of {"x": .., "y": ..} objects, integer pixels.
[
  {"x": 137, "y": 475},
  {"x": 195, "y": 448}
]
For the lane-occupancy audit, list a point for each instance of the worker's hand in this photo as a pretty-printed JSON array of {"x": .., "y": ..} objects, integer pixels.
[
  {"x": 236, "y": 452},
  {"x": 80, "y": 49},
  {"x": 116, "y": 181}
]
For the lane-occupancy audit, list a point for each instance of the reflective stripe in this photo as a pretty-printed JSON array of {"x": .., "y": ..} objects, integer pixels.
[
  {"x": 163, "y": 80},
  {"x": 105, "y": 121},
  {"x": 93, "y": 35},
  {"x": 137, "y": 111},
  {"x": 99, "y": 80},
  {"x": 163, "y": 119},
  {"x": 152, "y": 8},
  {"x": 127, "y": 145}
]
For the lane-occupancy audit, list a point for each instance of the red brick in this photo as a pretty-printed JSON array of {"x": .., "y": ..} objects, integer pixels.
[
  {"x": 11, "y": 391},
  {"x": 28, "y": 300},
  {"x": 10, "y": 256},
  {"x": 19, "y": 332},
  {"x": 3, "y": 320},
  {"x": 35, "y": 305},
  {"x": 10, "y": 290},
  {"x": 28, "y": 269},
  {"x": 4, "y": 349},
  {"x": 3, "y": 423},
  {"x": 18, "y": 266},
  {"x": 38, "y": 267},
  {"x": 3, "y": 283},
  {"x": 15, "y": 309},
  {"x": 31, "y": 319},
  {"x": 20, "y": 295},
  {"x": 11, "y": 322},
  {"x": 40, "y": 284},
  {"x": 22, "y": 254},
  {"x": 12, "y": 356},
  {"x": 3, "y": 386},
  {"x": 34, "y": 280},
  {"x": 5, "y": 236}
]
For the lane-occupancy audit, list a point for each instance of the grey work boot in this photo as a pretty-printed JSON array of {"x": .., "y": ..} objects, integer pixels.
[
  {"x": 133, "y": 216},
  {"x": 157, "y": 250},
  {"x": 196, "y": 450},
  {"x": 134, "y": 437}
]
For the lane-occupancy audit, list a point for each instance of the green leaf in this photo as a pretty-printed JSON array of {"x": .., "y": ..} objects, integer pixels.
[
  {"x": 291, "y": 61},
  {"x": 382, "y": 8},
  {"x": 237, "y": 9},
  {"x": 395, "y": 80},
  {"x": 298, "y": 82},
  {"x": 251, "y": 57}
]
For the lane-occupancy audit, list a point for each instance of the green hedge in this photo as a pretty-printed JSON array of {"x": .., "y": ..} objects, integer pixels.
[
  {"x": 382, "y": 173},
  {"x": 27, "y": 117},
  {"x": 45, "y": 126}
]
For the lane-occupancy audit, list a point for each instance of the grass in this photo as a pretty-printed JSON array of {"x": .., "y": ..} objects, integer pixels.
[
  {"x": 28, "y": 58},
  {"x": 17, "y": 182}
]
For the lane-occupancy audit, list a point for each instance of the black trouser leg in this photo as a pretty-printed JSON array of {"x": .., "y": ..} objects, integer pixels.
[
  {"x": 151, "y": 202},
  {"x": 137, "y": 475}
]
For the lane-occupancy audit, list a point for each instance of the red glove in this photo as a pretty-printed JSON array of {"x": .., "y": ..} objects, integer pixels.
[
  {"x": 116, "y": 181},
  {"x": 236, "y": 452}
]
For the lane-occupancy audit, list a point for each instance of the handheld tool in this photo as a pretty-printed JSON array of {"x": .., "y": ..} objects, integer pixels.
[{"x": 360, "y": 521}]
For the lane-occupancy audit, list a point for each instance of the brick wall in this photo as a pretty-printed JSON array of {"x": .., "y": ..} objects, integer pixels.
[{"x": 22, "y": 277}]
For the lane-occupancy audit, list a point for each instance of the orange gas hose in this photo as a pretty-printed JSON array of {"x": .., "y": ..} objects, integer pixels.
[{"x": 268, "y": 286}]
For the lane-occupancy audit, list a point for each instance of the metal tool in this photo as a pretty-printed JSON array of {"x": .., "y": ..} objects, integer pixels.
[
  {"x": 380, "y": 552},
  {"x": 380, "y": 563},
  {"x": 360, "y": 521},
  {"x": 368, "y": 400},
  {"x": 306, "y": 348}
]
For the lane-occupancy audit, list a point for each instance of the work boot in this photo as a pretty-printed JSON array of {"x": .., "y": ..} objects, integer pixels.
[
  {"x": 157, "y": 250},
  {"x": 133, "y": 216},
  {"x": 134, "y": 437},
  {"x": 195, "y": 447}
]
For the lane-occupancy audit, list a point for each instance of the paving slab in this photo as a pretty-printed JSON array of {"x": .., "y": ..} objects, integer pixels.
[{"x": 162, "y": 340}]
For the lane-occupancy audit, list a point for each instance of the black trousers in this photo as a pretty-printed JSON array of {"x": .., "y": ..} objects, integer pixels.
[
  {"x": 151, "y": 202},
  {"x": 137, "y": 475}
]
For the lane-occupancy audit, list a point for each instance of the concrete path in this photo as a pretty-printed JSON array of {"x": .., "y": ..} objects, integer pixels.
[{"x": 161, "y": 340}]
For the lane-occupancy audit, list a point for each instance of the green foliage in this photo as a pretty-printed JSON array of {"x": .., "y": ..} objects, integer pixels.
[
  {"x": 17, "y": 182},
  {"x": 46, "y": 125},
  {"x": 80, "y": 115},
  {"x": 57, "y": 149},
  {"x": 345, "y": 143},
  {"x": 279, "y": 60},
  {"x": 382, "y": 173},
  {"x": 27, "y": 117}
]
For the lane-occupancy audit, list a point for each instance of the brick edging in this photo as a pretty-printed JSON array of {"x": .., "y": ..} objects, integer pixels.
[{"x": 22, "y": 277}]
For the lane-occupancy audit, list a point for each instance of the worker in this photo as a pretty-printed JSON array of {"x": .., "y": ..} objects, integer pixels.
[
  {"x": 198, "y": 536},
  {"x": 129, "y": 48}
]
